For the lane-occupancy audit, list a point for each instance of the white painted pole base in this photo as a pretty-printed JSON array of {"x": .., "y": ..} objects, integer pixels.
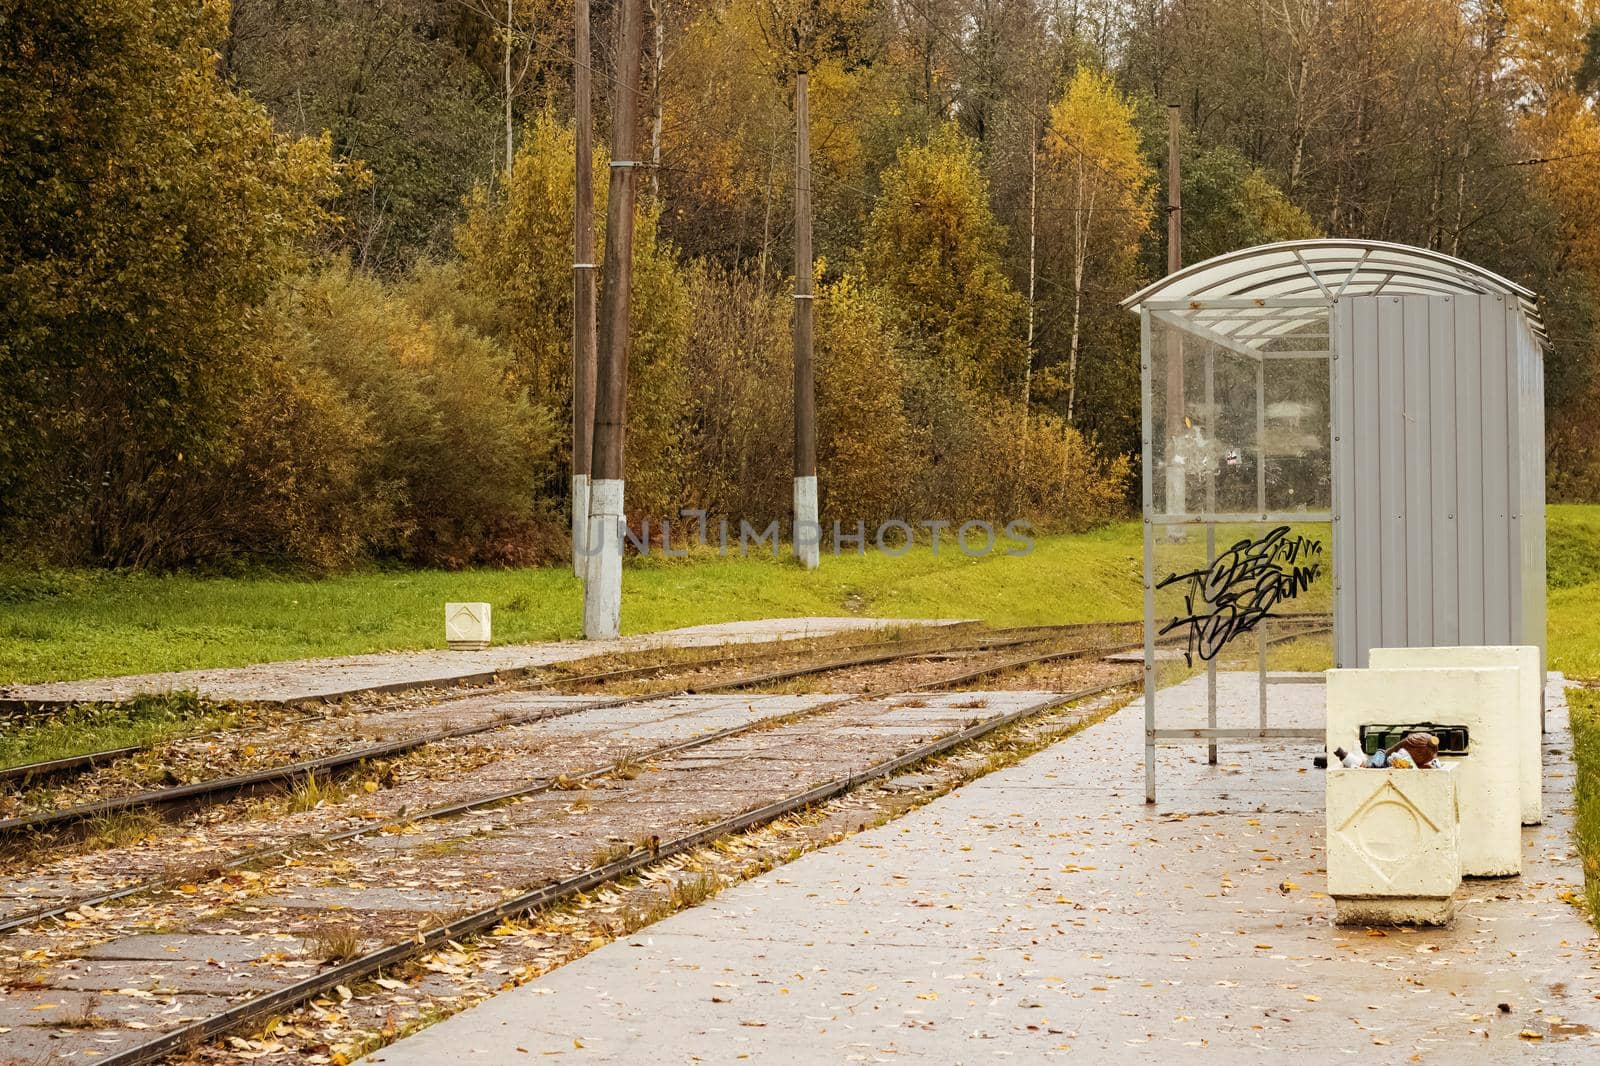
[
  {"x": 602, "y": 592},
  {"x": 1177, "y": 500},
  {"x": 807, "y": 531},
  {"x": 580, "y": 524}
]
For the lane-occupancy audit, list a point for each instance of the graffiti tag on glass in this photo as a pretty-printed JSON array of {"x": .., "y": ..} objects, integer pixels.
[{"x": 1239, "y": 590}]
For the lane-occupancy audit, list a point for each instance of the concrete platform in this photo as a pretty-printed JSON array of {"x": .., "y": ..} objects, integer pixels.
[
  {"x": 1046, "y": 912},
  {"x": 307, "y": 680}
]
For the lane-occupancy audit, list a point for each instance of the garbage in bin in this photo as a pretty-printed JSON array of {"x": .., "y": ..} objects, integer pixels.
[
  {"x": 1346, "y": 759},
  {"x": 1418, "y": 751}
]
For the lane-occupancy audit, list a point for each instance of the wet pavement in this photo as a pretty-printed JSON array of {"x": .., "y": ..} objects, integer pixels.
[
  {"x": 1046, "y": 911},
  {"x": 305, "y": 680}
]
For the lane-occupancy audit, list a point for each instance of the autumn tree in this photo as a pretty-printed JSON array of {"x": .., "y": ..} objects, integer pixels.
[
  {"x": 1106, "y": 187},
  {"x": 425, "y": 94},
  {"x": 931, "y": 247},
  {"x": 150, "y": 210},
  {"x": 516, "y": 254},
  {"x": 1229, "y": 204}
]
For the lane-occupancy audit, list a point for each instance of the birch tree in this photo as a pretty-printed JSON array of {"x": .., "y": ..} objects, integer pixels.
[{"x": 1104, "y": 190}]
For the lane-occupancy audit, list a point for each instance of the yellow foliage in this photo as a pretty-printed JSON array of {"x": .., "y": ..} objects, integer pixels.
[
  {"x": 1547, "y": 41},
  {"x": 932, "y": 248},
  {"x": 1569, "y": 137},
  {"x": 1094, "y": 148}
]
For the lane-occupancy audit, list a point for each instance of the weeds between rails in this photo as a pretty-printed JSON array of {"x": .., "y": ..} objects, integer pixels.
[
  {"x": 623, "y": 769},
  {"x": 39, "y": 771},
  {"x": 614, "y": 865}
]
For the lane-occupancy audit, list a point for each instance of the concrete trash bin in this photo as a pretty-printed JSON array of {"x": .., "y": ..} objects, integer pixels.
[
  {"x": 1483, "y": 699},
  {"x": 1529, "y": 715},
  {"x": 1394, "y": 854}
]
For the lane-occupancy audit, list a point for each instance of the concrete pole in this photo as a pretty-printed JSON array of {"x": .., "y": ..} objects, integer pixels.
[
  {"x": 1176, "y": 489},
  {"x": 602, "y": 593},
  {"x": 807, "y": 531},
  {"x": 583, "y": 291}
]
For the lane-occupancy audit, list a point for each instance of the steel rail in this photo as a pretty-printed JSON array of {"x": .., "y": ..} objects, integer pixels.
[
  {"x": 290, "y": 772},
  {"x": 266, "y": 853},
  {"x": 195, "y": 1033},
  {"x": 36, "y": 771}
]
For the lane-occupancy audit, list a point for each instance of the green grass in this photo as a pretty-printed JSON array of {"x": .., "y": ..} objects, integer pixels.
[
  {"x": 1573, "y": 555},
  {"x": 84, "y": 624},
  {"x": 1584, "y": 705},
  {"x": 57, "y": 626},
  {"x": 141, "y": 720}
]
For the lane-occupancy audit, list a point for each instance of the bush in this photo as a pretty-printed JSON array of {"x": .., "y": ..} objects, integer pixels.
[
  {"x": 863, "y": 439},
  {"x": 149, "y": 211},
  {"x": 516, "y": 275},
  {"x": 458, "y": 447},
  {"x": 740, "y": 357}
]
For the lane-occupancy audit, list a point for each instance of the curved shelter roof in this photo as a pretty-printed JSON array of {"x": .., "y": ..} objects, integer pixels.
[{"x": 1258, "y": 295}]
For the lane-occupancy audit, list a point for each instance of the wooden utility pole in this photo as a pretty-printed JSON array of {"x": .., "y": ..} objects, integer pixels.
[
  {"x": 807, "y": 531},
  {"x": 1033, "y": 259},
  {"x": 1174, "y": 191},
  {"x": 583, "y": 267},
  {"x": 510, "y": 39},
  {"x": 1176, "y": 503},
  {"x": 602, "y": 593},
  {"x": 657, "y": 17}
]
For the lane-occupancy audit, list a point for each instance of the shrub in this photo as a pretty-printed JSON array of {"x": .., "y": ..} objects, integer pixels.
[
  {"x": 863, "y": 439},
  {"x": 149, "y": 211},
  {"x": 740, "y": 357},
  {"x": 459, "y": 448},
  {"x": 516, "y": 274}
]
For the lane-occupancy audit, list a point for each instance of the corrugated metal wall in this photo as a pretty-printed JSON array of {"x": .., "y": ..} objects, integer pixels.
[{"x": 1438, "y": 474}]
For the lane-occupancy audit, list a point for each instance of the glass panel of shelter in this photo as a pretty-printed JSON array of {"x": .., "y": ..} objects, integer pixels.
[{"x": 1238, "y": 531}]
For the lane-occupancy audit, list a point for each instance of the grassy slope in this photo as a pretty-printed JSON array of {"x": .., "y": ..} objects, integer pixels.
[
  {"x": 88, "y": 625},
  {"x": 1574, "y": 563},
  {"x": 1585, "y": 708},
  {"x": 85, "y": 625}
]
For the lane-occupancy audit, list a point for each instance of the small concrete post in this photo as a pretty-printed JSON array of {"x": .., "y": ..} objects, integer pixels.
[{"x": 466, "y": 626}]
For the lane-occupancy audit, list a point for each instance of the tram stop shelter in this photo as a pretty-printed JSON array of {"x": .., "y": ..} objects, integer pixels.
[{"x": 1342, "y": 449}]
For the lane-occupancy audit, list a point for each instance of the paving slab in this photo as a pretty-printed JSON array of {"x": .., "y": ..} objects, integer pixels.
[
  {"x": 198, "y": 948},
  {"x": 50, "y": 1007},
  {"x": 38, "y": 1044},
  {"x": 1047, "y": 912},
  {"x": 111, "y": 975},
  {"x": 309, "y": 680}
]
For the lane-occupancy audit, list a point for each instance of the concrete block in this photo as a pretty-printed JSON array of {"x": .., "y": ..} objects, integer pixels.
[
  {"x": 1394, "y": 846},
  {"x": 1487, "y": 780},
  {"x": 1529, "y": 709},
  {"x": 466, "y": 626}
]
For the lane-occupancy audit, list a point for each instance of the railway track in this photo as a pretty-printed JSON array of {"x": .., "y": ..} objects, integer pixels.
[
  {"x": 247, "y": 856},
  {"x": 286, "y": 775},
  {"x": 35, "y": 773},
  {"x": 338, "y": 761},
  {"x": 811, "y": 725},
  {"x": 942, "y": 731}
]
